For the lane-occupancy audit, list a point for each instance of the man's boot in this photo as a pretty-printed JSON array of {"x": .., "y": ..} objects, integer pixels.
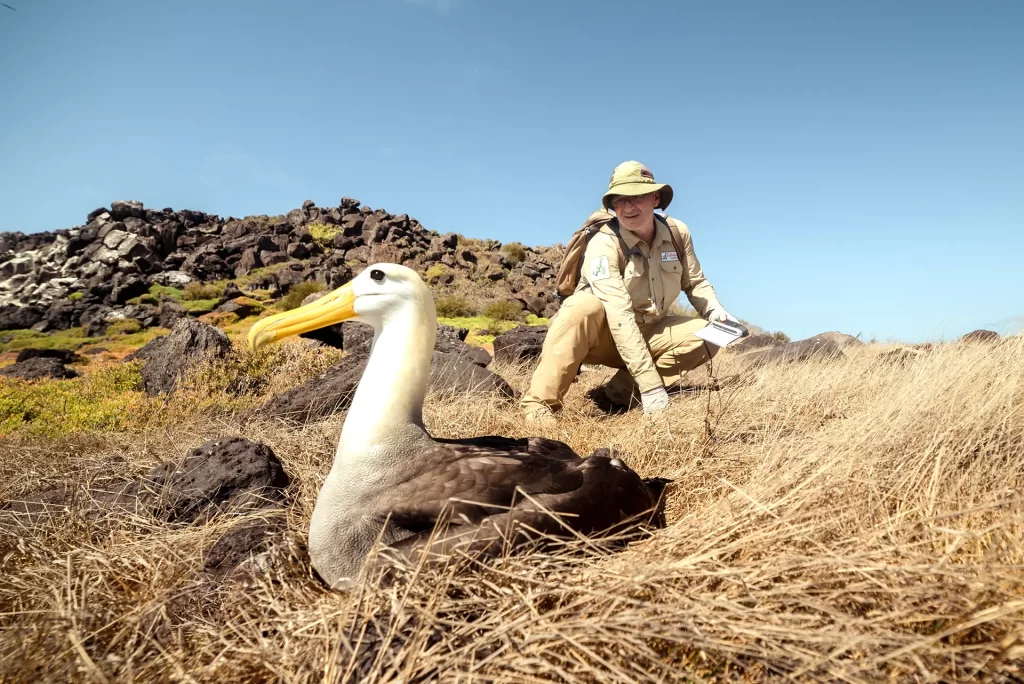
[{"x": 541, "y": 416}]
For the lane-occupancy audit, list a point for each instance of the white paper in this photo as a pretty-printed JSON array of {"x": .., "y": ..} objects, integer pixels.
[{"x": 717, "y": 336}]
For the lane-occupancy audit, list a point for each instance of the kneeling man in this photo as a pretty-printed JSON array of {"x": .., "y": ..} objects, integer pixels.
[{"x": 633, "y": 269}]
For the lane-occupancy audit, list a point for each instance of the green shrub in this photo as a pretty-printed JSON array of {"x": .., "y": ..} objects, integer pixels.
[
  {"x": 244, "y": 371},
  {"x": 531, "y": 319},
  {"x": 72, "y": 338},
  {"x": 265, "y": 222},
  {"x": 135, "y": 340},
  {"x": 199, "y": 306},
  {"x": 128, "y": 326},
  {"x": 219, "y": 320},
  {"x": 781, "y": 337},
  {"x": 145, "y": 299},
  {"x": 514, "y": 251},
  {"x": 492, "y": 326},
  {"x": 454, "y": 306},
  {"x": 479, "y": 327},
  {"x": 259, "y": 273},
  {"x": 294, "y": 298},
  {"x": 322, "y": 233},
  {"x": 75, "y": 296},
  {"x": 504, "y": 311},
  {"x": 196, "y": 291},
  {"x": 109, "y": 399},
  {"x": 10, "y": 336},
  {"x": 165, "y": 292},
  {"x": 261, "y": 295},
  {"x": 254, "y": 304},
  {"x": 438, "y": 273}
]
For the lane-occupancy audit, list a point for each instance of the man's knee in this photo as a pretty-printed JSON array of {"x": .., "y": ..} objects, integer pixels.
[
  {"x": 677, "y": 346},
  {"x": 579, "y": 307}
]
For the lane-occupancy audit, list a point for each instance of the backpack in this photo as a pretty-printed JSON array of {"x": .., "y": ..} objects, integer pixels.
[{"x": 572, "y": 261}]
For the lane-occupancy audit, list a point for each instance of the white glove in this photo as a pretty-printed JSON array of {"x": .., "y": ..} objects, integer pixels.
[
  {"x": 721, "y": 315},
  {"x": 654, "y": 400}
]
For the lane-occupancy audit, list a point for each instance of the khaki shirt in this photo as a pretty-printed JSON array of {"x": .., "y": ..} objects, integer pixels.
[{"x": 640, "y": 291}]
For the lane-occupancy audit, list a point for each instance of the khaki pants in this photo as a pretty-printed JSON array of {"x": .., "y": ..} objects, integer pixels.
[{"x": 579, "y": 334}]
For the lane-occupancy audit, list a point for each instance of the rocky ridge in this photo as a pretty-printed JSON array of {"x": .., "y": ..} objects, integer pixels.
[{"x": 92, "y": 275}]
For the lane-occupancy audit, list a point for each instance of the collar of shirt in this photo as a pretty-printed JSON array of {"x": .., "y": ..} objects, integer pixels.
[{"x": 633, "y": 241}]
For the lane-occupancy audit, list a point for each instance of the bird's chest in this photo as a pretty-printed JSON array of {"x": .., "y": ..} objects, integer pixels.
[{"x": 365, "y": 473}]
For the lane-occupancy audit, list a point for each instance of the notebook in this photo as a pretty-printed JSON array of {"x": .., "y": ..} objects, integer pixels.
[{"x": 722, "y": 333}]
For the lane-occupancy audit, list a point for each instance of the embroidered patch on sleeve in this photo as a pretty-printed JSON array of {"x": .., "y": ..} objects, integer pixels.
[
  {"x": 599, "y": 268},
  {"x": 669, "y": 256}
]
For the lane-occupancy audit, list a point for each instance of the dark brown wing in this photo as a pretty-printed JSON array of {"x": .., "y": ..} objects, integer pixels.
[
  {"x": 471, "y": 479},
  {"x": 494, "y": 492}
]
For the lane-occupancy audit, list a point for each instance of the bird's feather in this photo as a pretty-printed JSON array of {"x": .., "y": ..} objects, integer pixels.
[{"x": 486, "y": 493}]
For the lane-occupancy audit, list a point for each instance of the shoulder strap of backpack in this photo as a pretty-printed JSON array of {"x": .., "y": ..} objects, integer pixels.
[
  {"x": 602, "y": 218},
  {"x": 673, "y": 231},
  {"x": 621, "y": 244}
]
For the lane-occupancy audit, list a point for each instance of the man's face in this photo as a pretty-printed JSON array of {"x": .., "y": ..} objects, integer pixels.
[{"x": 636, "y": 213}]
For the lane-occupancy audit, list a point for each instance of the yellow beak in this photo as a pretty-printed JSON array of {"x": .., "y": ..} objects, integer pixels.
[{"x": 330, "y": 309}]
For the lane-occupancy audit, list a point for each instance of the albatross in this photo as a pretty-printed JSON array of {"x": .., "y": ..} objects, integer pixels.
[{"x": 392, "y": 482}]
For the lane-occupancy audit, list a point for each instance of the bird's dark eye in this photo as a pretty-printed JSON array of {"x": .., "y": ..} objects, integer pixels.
[{"x": 377, "y": 275}]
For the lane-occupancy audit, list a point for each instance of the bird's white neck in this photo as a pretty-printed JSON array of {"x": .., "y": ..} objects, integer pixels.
[
  {"x": 383, "y": 435},
  {"x": 389, "y": 399}
]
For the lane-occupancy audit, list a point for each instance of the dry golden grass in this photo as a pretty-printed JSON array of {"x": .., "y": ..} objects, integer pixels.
[{"x": 829, "y": 521}]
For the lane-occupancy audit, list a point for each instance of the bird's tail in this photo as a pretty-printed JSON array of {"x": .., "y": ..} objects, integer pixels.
[{"x": 657, "y": 485}]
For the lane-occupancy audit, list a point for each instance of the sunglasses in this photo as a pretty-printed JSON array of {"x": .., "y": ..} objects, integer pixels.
[{"x": 635, "y": 200}]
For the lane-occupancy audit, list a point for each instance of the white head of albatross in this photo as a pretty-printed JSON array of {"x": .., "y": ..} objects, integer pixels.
[{"x": 392, "y": 481}]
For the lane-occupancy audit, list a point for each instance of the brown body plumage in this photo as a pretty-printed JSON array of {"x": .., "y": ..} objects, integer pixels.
[{"x": 491, "y": 492}]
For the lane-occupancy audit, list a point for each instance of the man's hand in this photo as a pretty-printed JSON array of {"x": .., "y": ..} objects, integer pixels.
[
  {"x": 654, "y": 400},
  {"x": 721, "y": 315}
]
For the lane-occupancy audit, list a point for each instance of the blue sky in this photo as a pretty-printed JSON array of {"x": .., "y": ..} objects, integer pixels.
[{"x": 842, "y": 166}]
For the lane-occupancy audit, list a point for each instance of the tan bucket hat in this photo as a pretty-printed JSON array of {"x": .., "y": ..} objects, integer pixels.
[{"x": 632, "y": 178}]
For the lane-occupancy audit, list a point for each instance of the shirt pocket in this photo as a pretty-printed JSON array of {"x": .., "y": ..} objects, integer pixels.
[
  {"x": 672, "y": 268},
  {"x": 671, "y": 277}
]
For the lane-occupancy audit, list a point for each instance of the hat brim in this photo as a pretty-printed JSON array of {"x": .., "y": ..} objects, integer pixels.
[{"x": 635, "y": 189}]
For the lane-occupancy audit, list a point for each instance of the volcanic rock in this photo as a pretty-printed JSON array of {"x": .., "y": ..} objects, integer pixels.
[
  {"x": 458, "y": 375},
  {"x": 523, "y": 343},
  {"x": 38, "y": 368},
  {"x": 121, "y": 210},
  {"x": 233, "y": 471},
  {"x": 243, "y": 307},
  {"x": 223, "y": 475},
  {"x": 172, "y": 279},
  {"x": 16, "y": 317},
  {"x": 841, "y": 339},
  {"x": 243, "y": 544},
  {"x": 169, "y": 313},
  {"x": 751, "y": 342},
  {"x": 62, "y": 355},
  {"x": 900, "y": 356},
  {"x": 981, "y": 337},
  {"x": 812, "y": 347},
  {"x": 451, "y": 341},
  {"x": 122, "y": 251},
  {"x": 167, "y": 359}
]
